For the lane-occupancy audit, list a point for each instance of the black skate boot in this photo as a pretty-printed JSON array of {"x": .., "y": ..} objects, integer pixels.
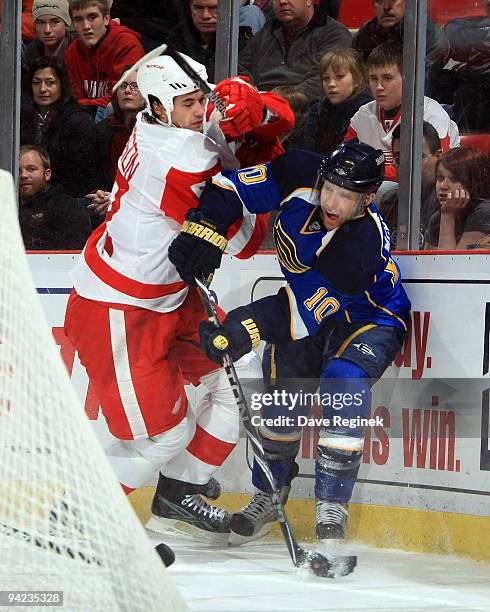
[
  {"x": 178, "y": 507},
  {"x": 331, "y": 520},
  {"x": 255, "y": 520}
]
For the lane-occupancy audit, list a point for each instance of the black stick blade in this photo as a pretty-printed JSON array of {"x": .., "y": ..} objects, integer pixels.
[{"x": 327, "y": 567}]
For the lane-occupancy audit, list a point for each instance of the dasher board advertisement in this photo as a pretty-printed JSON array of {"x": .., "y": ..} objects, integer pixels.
[{"x": 429, "y": 444}]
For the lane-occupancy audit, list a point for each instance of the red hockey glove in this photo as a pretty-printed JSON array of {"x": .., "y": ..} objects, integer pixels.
[
  {"x": 234, "y": 338},
  {"x": 197, "y": 250},
  {"x": 244, "y": 107}
]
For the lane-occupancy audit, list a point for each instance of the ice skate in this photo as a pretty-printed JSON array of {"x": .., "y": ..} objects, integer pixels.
[
  {"x": 255, "y": 520},
  {"x": 180, "y": 508},
  {"x": 331, "y": 520}
]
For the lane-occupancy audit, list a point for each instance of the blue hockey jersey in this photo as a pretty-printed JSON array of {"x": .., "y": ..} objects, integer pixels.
[{"x": 346, "y": 273}]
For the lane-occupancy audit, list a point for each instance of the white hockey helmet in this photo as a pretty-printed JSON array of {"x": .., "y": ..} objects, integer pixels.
[{"x": 163, "y": 78}]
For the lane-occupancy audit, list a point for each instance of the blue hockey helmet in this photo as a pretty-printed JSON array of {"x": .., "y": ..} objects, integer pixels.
[{"x": 355, "y": 166}]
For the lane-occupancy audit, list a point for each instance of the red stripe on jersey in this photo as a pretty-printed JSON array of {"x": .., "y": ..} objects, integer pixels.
[
  {"x": 445, "y": 143},
  {"x": 350, "y": 134},
  {"x": 257, "y": 238},
  {"x": 118, "y": 281},
  {"x": 129, "y": 160},
  {"x": 209, "y": 449},
  {"x": 182, "y": 191},
  {"x": 233, "y": 229},
  {"x": 109, "y": 247},
  {"x": 122, "y": 189},
  {"x": 389, "y": 123},
  {"x": 390, "y": 173}
]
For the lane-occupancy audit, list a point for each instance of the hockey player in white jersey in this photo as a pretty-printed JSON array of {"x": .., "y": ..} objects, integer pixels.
[{"x": 134, "y": 321}]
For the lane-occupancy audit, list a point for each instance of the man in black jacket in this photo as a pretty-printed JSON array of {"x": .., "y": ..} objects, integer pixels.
[
  {"x": 195, "y": 35},
  {"x": 288, "y": 49},
  {"x": 49, "y": 219}
]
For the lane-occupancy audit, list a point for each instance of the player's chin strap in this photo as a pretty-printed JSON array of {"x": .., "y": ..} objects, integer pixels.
[
  {"x": 361, "y": 206},
  {"x": 320, "y": 565}
]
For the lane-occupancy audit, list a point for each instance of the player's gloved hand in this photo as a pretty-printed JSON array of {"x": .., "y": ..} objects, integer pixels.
[
  {"x": 234, "y": 338},
  {"x": 244, "y": 107},
  {"x": 197, "y": 250}
]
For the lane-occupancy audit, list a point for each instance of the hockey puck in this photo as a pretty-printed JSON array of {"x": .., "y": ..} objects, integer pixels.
[{"x": 166, "y": 554}]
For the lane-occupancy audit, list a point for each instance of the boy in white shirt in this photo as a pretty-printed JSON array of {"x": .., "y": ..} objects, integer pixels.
[{"x": 375, "y": 122}]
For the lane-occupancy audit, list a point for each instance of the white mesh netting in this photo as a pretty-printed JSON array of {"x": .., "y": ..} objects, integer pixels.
[{"x": 65, "y": 524}]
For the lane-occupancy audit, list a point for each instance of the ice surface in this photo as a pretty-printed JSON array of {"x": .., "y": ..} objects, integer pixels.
[{"x": 260, "y": 577}]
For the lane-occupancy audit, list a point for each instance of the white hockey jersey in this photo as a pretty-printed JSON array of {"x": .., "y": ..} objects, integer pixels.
[
  {"x": 370, "y": 126},
  {"x": 160, "y": 176}
]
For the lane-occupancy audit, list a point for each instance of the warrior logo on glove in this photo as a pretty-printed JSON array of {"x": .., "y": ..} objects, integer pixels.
[
  {"x": 235, "y": 337},
  {"x": 197, "y": 250},
  {"x": 205, "y": 232}
]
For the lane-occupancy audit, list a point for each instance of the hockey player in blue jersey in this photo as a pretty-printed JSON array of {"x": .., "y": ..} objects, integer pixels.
[{"x": 341, "y": 318}]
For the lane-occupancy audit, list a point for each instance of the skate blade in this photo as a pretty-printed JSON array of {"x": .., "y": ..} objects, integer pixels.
[
  {"x": 174, "y": 527},
  {"x": 236, "y": 539}
]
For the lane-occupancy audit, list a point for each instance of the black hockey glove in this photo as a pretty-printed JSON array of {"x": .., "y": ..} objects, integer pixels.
[
  {"x": 197, "y": 250},
  {"x": 235, "y": 338}
]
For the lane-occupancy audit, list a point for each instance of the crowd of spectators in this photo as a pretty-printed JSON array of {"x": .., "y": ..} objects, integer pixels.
[{"x": 339, "y": 83}]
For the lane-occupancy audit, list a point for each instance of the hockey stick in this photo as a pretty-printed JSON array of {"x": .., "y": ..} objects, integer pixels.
[
  {"x": 182, "y": 63},
  {"x": 198, "y": 80},
  {"x": 149, "y": 56},
  {"x": 320, "y": 565}
]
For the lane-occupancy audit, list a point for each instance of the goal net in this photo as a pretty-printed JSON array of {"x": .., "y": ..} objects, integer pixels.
[{"x": 65, "y": 524}]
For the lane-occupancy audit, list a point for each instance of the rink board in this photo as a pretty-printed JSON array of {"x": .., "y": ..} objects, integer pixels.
[{"x": 432, "y": 452}]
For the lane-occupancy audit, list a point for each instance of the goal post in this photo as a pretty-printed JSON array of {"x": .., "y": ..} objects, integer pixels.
[{"x": 65, "y": 524}]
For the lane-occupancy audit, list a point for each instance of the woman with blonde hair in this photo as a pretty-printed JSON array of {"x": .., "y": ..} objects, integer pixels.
[{"x": 344, "y": 84}]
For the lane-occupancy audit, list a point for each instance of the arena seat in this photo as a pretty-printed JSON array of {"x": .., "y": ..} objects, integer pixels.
[
  {"x": 477, "y": 141},
  {"x": 442, "y": 11},
  {"x": 353, "y": 13}
]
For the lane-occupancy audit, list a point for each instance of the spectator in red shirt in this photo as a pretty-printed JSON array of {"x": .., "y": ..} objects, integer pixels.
[
  {"x": 28, "y": 29},
  {"x": 96, "y": 59}
]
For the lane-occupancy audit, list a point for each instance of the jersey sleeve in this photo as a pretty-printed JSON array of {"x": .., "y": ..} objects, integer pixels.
[
  {"x": 258, "y": 189},
  {"x": 279, "y": 118},
  {"x": 435, "y": 114},
  {"x": 271, "y": 315}
]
